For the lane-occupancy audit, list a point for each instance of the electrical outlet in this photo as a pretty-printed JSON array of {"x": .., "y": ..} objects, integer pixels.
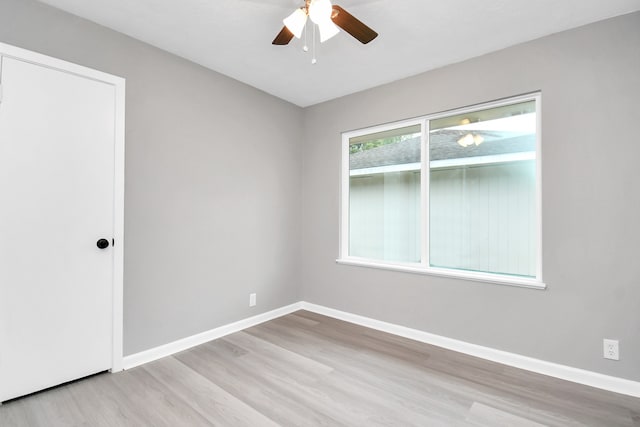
[
  {"x": 611, "y": 349},
  {"x": 252, "y": 300}
]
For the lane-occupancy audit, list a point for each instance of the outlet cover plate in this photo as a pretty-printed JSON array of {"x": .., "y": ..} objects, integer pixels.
[{"x": 611, "y": 349}]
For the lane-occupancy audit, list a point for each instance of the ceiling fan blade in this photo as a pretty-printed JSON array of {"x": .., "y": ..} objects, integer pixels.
[
  {"x": 352, "y": 25},
  {"x": 283, "y": 37}
]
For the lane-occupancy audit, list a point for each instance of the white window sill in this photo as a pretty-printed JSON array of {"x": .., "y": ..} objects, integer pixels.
[{"x": 457, "y": 274}]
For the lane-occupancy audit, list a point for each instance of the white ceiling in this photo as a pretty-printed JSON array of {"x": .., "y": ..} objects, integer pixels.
[{"x": 234, "y": 37}]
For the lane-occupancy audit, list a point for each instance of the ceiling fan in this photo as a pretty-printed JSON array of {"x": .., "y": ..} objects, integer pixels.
[{"x": 328, "y": 18}]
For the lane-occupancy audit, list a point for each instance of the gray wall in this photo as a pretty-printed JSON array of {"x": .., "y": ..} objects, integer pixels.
[
  {"x": 590, "y": 83},
  {"x": 212, "y": 180}
]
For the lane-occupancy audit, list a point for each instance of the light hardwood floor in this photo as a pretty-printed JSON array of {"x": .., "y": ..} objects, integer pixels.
[{"x": 305, "y": 369}]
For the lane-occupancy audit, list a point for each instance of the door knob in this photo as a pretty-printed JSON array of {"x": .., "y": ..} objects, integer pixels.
[{"x": 102, "y": 243}]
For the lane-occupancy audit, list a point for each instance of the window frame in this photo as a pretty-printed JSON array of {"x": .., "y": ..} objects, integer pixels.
[{"x": 423, "y": 266}]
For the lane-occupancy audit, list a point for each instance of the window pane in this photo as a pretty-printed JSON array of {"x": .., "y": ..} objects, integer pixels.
[
  {"x": 384, "y": 195},
  {"x": 482, "y": 191}
]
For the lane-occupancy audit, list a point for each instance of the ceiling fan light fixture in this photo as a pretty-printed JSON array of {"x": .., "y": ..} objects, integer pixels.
[
  {"x": 320, "y": 14},
  {"x": 327, "y": 30},
  {"x": 329, "y": 18},
  {"x": 295, "y": 22},
  {"x": 320, "y": 11}
]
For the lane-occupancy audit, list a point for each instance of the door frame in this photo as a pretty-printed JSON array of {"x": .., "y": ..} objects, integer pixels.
[{"x": 118, "y": 179}]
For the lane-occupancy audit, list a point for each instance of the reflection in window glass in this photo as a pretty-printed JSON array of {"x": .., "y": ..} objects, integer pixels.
[{"x": 384, "y": 195}]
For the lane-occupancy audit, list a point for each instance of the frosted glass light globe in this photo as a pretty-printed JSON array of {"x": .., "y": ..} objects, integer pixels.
[{"x": 320, "y": 11}]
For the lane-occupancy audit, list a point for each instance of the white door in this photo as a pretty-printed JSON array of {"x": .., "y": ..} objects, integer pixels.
[{"x": 56, "y": 202}]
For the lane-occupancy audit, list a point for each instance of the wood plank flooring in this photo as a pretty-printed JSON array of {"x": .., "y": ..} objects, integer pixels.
[{"x": 305, "y": 369}]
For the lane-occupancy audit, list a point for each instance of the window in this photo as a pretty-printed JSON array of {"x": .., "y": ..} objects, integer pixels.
[
  {"x": 384, "y": 196},
  {"x": 454, "y": 194}
]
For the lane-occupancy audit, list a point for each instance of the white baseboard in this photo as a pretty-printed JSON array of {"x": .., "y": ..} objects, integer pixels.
[
  {"x": 581, "y": 376},
  {"x": 165, "y": 350}
]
